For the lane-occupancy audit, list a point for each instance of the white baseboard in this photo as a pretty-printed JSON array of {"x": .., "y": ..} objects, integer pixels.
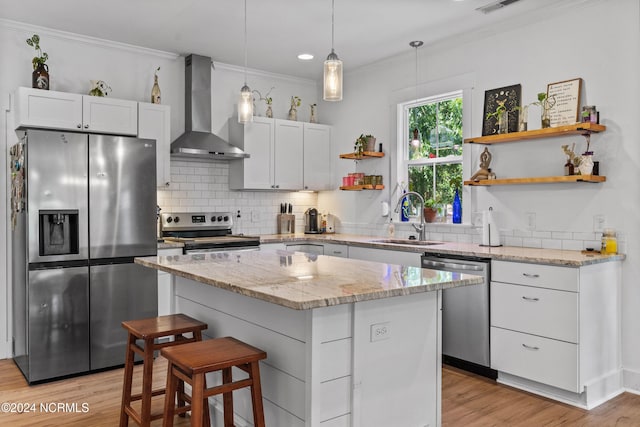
[{"x": 631, "y": 381}]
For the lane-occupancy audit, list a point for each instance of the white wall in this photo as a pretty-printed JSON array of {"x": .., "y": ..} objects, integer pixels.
[
  {"x": 598, "y": 41},
  {"x": 76, "y": 59}
]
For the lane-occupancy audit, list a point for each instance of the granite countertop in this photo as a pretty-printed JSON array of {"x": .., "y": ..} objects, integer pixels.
[
  {"x": 304, "y": 281},
  {"x": 504, "y": 253}
]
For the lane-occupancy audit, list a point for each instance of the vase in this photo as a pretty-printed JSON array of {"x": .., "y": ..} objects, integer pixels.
[
  {"x": 545, "y": 118},
  {"x": 371, "y": 143},
  {"x": 457, "y": 209},
  {"x": 312, "y": 117},
  {"x": 293, "y": 114},
  {"x": 269, "y": 112},
  {"x": 155, "y": 91},
  {"x": 523, "y": 118},
  {"x": 503, "y": 122},
  {"x": 586, "y": 163},
  {"x": 40, "y": 77}
]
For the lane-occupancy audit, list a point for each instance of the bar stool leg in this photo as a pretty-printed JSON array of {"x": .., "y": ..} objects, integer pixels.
[
  {"x": 128, "y": 379},
  {"x": 169, "y": 398},
  {"x": 197, "y": 400},
  {"x": 256, "y": 395},
  {"x": 145, "y": 412},
  {"x": 227, "y": 398}
]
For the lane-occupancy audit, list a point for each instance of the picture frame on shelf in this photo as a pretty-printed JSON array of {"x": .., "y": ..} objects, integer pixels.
[
  {"x": 567, "y": 106},
  {"x": 511, "y": 97}
]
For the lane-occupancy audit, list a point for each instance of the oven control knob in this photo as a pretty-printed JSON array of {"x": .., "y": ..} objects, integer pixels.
[
  {"x": 226, "y": 218},
  {"x": 176, "y": 219},
  {"x": 169, "y": 220},
  {"x": 213, "y": 219},
  {"x": 220, "y": 218}
]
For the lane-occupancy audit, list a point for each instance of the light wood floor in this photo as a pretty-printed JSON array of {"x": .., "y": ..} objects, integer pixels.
[{"x": 468, "y": 400}]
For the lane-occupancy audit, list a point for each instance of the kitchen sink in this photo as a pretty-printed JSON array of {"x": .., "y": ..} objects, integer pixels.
[{"x": 407, "y": 242}]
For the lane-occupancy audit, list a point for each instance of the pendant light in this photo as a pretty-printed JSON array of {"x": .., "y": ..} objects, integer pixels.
[
  {"x": 415, "y": 141},
  {"x": 245, "y": 103},
  {"x": 332, "y": 70}
]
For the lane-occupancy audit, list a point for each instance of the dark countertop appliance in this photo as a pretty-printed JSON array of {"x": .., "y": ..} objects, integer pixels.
[
  {"x": 83, "y": 208},
  {"x": 311, "y": 221},
  {"x": 202, "y": 232}
]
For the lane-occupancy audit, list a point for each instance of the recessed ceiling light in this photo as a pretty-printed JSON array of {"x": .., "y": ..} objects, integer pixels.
[{"x": 305, "y": 57}]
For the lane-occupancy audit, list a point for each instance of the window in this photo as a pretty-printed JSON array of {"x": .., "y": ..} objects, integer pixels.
[{"x": 433, "y": 162}]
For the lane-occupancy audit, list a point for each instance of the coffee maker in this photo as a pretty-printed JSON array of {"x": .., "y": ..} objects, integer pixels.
[{"x": 311, "y": 220}]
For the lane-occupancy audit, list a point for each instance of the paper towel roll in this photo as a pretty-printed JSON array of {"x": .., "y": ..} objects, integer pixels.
[
  {"x": 485, "y": 228},
  {"x": 494, "y": 234}
]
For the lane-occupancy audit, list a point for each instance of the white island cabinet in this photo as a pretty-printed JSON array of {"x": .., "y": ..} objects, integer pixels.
[
  {"x": 555, "y": 330},
  {"x": 48, "y": 109},
  {"x": 341, "y": 336}
]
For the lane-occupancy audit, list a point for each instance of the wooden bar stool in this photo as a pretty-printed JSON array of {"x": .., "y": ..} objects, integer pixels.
[
  {"x": 189, "y": 363},
  {"x": 148, "y": 330}
]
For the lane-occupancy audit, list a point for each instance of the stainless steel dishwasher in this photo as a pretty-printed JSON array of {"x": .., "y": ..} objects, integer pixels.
[{"x": 465, "y": 314}]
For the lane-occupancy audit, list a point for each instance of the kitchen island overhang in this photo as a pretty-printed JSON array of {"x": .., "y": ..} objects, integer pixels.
[{"x": 349, "y": 342}]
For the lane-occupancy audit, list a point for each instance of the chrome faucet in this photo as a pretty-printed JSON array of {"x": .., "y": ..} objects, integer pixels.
[{"x": 419, "y": 228}]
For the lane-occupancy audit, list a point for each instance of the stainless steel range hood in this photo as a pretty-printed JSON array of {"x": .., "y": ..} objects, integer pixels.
[{"x": 197, "y": 142}]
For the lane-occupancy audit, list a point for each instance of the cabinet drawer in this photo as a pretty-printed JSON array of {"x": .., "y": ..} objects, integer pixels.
[
  {"x": 545, "y": 312},
  {"x": 547, "y": 361},
  {"x": 334, "y": 249},
  {"x": 542, "y": 276}
]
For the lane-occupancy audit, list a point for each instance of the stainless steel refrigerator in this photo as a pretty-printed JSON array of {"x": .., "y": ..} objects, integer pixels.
[{"x": 83, "y": 206}]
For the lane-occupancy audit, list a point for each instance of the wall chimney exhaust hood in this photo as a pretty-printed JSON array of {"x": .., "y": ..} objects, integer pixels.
[{"x": 197, "y": 142}]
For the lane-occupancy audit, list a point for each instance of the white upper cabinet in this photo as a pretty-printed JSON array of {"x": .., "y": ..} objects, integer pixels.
[
  {"x": 257, "y": 139},
  {"x": 154, "y": 122},
  {"x": 288, "y": 155},
  {"x": 48, "y": 109},
  {"x": 284, "y": 155},
  {"x": 317, "y": 157}
]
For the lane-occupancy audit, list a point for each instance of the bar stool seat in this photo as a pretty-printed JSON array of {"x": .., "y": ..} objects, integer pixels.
[
  {"x": 190, "y": 363},
  {"x": 148, "y": 331}
]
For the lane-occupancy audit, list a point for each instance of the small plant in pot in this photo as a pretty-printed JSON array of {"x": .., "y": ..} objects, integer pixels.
[
  {"x": 430, "y": 209},
  {"x": 40, "y": 75},
  {"x": 364, "y": 143}
]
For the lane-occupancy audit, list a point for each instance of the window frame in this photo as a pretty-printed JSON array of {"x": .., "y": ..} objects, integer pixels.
[{"x": 402, "y": 128}]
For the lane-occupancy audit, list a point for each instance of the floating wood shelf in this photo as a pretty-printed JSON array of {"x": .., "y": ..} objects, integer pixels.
[
  {"x": 574, "y": 129},
  {"x": 365, "y": 155},
  {"x": 362, "y": 187},
  {"x": 538, "y": 180}
]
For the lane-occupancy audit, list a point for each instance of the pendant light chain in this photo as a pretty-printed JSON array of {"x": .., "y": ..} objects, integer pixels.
[
  {"x": 332, "y": 23},
  {"x": 245, "y": 42}
]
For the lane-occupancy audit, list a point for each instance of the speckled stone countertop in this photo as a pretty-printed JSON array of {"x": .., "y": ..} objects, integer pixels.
[
  {"x": 303, "y": 281},
  {"x": 504, "y": 253}
]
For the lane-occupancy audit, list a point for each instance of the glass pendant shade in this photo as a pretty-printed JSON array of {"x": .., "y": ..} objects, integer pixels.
[
  {"x": 245, "y": 105},
  {"x": 332, "y": 78}
]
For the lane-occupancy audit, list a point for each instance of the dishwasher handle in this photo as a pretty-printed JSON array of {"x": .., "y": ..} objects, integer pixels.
[{"x": 448, "y": 265}]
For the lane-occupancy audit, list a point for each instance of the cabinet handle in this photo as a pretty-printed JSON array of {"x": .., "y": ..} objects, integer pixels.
[
  {"x": 79, "y": 126},
  {"x": 337, "y": 252},
  {"x": 530, "y": 347},
  {"x": 530, "y": 299},
  {"x": 531, "y": 276},
  {"x": 86, "y": 126},
  {"x": 277, "y": 186}
]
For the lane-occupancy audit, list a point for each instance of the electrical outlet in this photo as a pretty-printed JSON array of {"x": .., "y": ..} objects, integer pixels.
[
  {"x": 477, "y": 219},
  {"x": 380, "y": 331},
  {"x": 255, "y": 216},
  {"x": 530, "y": 218},
  {"x": 598, "y": 223}
]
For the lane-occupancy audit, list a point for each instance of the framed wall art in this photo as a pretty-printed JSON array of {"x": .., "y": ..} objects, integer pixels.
[
  {"x": 567, "y": 104},
  {"x": 510, "y": 95}
]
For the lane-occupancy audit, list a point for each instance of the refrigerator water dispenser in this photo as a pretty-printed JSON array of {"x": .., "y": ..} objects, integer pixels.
[{"x": 58, "y": 232}]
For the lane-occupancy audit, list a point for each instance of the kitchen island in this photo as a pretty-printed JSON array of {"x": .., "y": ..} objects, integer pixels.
[{"x": 349, "y": 343}]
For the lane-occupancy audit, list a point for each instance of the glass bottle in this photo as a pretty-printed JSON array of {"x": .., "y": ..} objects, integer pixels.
[
  {"x": 457, "y": 209},
  {"x": 155, "y": 91},
  {"x": 609, "y": 242},
  {"x": 568, "y": 168}
]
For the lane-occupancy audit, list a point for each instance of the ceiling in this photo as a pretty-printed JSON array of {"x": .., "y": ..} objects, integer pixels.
[{"x": 366, "y": 31}]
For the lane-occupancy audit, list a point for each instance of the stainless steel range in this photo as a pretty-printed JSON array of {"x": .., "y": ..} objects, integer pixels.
[{"x": 205, "y": 232}]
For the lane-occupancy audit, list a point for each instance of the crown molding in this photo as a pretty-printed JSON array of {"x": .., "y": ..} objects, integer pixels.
[
  {"x": 261, "y": 73},
  {"x": 80, "y": 38}
]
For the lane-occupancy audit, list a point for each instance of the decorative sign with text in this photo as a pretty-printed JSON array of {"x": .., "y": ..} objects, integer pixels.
[{"x": 567, "y": 95}]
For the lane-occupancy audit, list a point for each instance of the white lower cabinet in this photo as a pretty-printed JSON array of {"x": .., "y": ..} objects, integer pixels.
[
  {"x": 165, "y": 285},
  {"x": 335, "y": 249},
  {"x": 556, "y": 329}
]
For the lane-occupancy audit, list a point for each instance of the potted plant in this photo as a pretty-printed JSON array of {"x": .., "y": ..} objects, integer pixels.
[
  {"x": 40, "y": 75},
  {"x": 293, "y": 112},
  {"x": 371, "y": 143},
  {"x": 502, "y": 116},
  {"x": 430, "y": 209},
  {"x": 546, "y": 103}
]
